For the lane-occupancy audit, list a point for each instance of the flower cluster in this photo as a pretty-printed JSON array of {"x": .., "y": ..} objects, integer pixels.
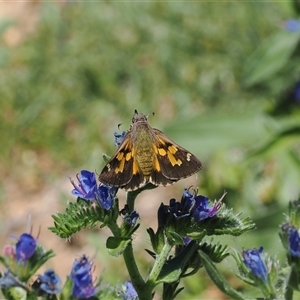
[
  {"x": 88, "y": 189},
  {"x": 191, "y": 205}
]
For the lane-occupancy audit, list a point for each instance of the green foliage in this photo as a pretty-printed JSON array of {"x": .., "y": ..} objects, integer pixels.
[{"x": 80, "y": 215}]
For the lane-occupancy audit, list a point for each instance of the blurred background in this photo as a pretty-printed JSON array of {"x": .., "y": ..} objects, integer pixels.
[{"x": 222, "y": 78}]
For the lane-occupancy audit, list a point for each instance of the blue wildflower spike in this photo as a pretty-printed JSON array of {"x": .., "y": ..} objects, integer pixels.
[
  {"x": 49, "y": 283},
  {"x": 253, "y": 260},
  {"x": 25, "y": 247},
  {"x": 294, "y": 242},
  {"x": 87, "y": 185},
  {"x": 105, "y": 196},
  {"x": 81, "y": 276}
]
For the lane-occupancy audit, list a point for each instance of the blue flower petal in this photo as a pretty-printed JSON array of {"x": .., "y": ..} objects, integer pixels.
[
  {"x": 82, "y": 279},
  {"x": 294, "y": 242},
  {"x": 132, "y": 218},
  {"x": 87, "y": 185},
  {"x": 50, "y": 282},
  {"x": 130, "y": 293},
  {"x": 105, "y": 196},
  {"x": 253, "y": 261},
  {"x": 25, "y": 247}
]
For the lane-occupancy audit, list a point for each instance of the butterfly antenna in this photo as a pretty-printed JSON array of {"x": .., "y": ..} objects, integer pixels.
[{"x": 119, "y": 125}]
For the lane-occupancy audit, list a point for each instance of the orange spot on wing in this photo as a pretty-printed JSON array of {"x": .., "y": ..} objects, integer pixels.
[
  {"x": 162, "y": 151},
  {"x": 156, "y": 164},
  {"x": 173, "y": 160},
  {"x": 135, "y": 167},
  {"x": 120, "y": 155},
  {"x": 128, "y": 156},
  {"x": 172, "y": 149},
  {"x": 120, "y": 168}
]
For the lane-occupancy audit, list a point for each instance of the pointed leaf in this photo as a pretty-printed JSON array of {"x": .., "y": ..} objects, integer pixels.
[
  {"x": 218, "y": 279},
  {"x": 116, "y": 245}
]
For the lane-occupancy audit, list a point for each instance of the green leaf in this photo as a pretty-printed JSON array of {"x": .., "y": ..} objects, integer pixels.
[
  {"x": 81, "y": 215},
  {"x": 174, "y": 267},
  {"x": 216, "y": 252},
  {"x": 218, "y": 279},
  {"x": 116, "y": 245},
  {"x": 157, "y": 239},
  {"x": 174, "y": 237},
  {"x": 270, "y": 57}
]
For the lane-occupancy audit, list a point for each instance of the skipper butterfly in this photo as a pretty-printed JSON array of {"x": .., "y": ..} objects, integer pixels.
[{"x": 147, "y": 155}]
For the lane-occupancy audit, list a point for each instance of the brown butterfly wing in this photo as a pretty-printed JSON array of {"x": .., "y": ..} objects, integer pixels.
[
  {"x": 174, "y": 161},
  {"x": 122, "y": 170}
]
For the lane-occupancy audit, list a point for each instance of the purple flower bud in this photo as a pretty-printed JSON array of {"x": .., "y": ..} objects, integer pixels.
[
  {"x": 25, "y": 247},
  {"x": 294, "y": 242},
  {"x": 87, "y": 185},
  {"x": 82, "y": 278},
  {"x": 132, "y": 218},
  {"x": 253, "y": 261}
]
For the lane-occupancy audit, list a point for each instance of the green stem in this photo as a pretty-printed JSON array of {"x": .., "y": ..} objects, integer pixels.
[
  {"x": 135, "y": 276},
  {"x": 114, "y": 228},
  {"x": 159, "y": 263},
  {"x": 288, "y": 295},
  {"x": 131, "y": 199}
]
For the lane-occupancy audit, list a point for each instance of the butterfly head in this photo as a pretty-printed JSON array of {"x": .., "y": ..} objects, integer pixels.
[{"x": 139, "y": 118}]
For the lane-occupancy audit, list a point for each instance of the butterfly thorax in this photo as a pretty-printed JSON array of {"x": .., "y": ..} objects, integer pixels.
[{"x": 142, "y": 139}]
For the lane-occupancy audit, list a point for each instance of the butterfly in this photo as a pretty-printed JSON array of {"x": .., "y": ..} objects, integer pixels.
[{"x": 147, "y": 155}]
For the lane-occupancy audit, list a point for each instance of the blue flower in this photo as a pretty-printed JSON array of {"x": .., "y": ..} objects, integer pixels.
[
  {"x": 131, "y": 218},
  {"x": 130, "y": 293},
  {"x": 294, "y": 242},
  {"x": 49, "y": 283},
  {"x": 105, "y": 196},
  {"x": 82, "y": 279},
  {"x": 25, "y": 247},
  {"x": 292, "y": 25},
  {"x": 202, "y": 210},
  {"x": 253, "y": 261},
  {"x": 87, "y": 185},
  {"x": 119, "y": 138},
  {"x": 182, "y": 209}
]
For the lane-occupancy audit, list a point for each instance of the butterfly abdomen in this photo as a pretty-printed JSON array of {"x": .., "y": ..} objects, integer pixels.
[{"x": 144, "y": 151}]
